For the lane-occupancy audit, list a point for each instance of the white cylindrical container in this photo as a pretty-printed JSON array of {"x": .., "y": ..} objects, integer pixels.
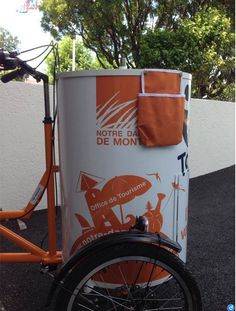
[{"x": 107, "y": 177}]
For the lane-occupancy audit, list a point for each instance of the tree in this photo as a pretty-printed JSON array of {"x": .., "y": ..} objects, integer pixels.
[
  {"x": 139, "y": 30},
  {"x": 7, "y": 41},
  {"x": 83, "y": 57},
  {"x": 111, "y": 28},
  {"x": 172, "y": 12},
  {"x": 202, "y": 45}
]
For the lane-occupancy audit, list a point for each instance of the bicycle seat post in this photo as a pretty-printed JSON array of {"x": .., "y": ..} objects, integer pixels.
[
  {"x": 49, "y": 168},
  {"x": 47, "y": 117}
]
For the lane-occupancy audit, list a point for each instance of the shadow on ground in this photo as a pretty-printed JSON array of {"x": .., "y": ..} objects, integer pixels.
[{"x": 211, "y": 245}]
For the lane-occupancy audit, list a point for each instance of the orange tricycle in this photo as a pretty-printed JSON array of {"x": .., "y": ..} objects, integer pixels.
[{"x": 124, "y": 269}]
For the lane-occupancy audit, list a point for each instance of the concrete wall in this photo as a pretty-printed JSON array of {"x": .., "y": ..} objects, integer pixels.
[
  {"x": 21, "y": 140},
  {"x": 212, "y": 136}
]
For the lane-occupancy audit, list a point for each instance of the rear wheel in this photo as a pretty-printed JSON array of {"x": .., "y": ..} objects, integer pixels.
[{"x": 131, "y": 276}]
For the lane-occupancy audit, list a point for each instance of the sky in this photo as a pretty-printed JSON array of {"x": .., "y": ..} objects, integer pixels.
[{"x": 26, "y": 26}]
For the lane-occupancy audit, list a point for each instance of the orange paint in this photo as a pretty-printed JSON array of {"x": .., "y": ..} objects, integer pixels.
[
  {"x": 177, "y": 186},
  {"x": 35, "y": 253},
  {"x": 117, "y": 101},
  {"x": 116, "y": 192},
  {"x": 157, "y": 176},
  {"x": 154, "y": 216},
  {"x": 162, "y": 82},
  {"x": 102, "y": 203},
  {"x": 160, "y": 120}
]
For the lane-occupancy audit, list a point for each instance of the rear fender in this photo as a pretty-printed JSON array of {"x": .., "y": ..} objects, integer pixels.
[{"x": 106, "y": 242}]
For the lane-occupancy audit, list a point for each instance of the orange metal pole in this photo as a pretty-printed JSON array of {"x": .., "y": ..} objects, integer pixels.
[
  {"x": 25, "y": 244},
  {"x": 19, "y": 258},
  {"x": 27, "y": 211},
  {"x": 49, "y": 259},
  {"x": 36, "y": 254},
  {"x": 13, "y": 214},
  {"x": 50, "y": 189},
  {"x": 28, "y": 257}
]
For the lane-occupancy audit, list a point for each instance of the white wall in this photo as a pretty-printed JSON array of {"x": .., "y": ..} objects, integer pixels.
[
  {"x": 212, "y": 136},
  {"x": 21, "y": 140}
]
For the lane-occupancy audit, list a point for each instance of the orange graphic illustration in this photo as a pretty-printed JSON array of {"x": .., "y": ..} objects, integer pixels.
[
  {"x": 87, "y": 181},
  {"x": 117, "y": 101},
  {"x": 154, "y": 216},
  {"x": 84, "y": 224},
  {"x": 102, "y": 204},
  {"x": 116, "y": 192},
  {"x": 177, "y": 186},
  {"x": 156, "y": 175}
]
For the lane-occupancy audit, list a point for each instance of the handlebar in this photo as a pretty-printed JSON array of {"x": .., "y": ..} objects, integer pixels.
[
  {"x": 12, "y": 75},
  {"x": 7, "y": 60},
  {"x": 10, "y": 61}
]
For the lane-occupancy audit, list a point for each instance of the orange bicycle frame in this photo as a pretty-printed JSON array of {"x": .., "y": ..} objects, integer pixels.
[{"x": 33, "y": 253}]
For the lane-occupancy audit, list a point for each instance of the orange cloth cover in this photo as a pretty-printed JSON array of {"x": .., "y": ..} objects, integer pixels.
[
  {"x": 161, "y": 82},
  {"x": 160, "y": 119}
]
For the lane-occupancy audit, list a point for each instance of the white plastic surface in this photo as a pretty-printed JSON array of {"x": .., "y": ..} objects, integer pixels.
[{"x": 107, "y": 177}]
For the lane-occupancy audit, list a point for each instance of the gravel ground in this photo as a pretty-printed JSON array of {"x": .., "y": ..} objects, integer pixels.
[{"x": 211, "y": 249}]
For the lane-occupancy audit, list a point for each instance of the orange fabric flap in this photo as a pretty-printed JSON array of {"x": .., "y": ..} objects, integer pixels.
[
  {"x": 160, "y": 119},
  {"x": 161, "y": 82}
]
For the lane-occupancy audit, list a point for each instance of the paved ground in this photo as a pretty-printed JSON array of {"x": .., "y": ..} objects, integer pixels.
[{"x": 210, "y": 249}]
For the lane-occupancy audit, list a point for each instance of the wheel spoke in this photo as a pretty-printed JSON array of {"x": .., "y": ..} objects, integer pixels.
[
  {"x": 139, "y": 272},
  {"x": 122, "y": 302},
  {"x": 165, "y": 303},
  {"x": 85, "y": 307},
  {"x": 110, "y": 299},
  {"x": 107, "y": 290},
  {"x": 158, "y": 287},
  {"x": 126, "y": 285},
  {"x": 147, "y": 287},
  {"x": 165, "y": 309},
  {"x": 130, "y": 279}
]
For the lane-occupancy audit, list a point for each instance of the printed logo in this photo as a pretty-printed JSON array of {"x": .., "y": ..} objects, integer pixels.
[
  {"x": 117, "y": 110},
  {"x": 230, "y": 307},
  {"x": 107, "y": 199},
  {"x": 106, "y": 203}
]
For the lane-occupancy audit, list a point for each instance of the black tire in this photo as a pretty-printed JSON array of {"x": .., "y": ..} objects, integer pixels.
[{"x": 79, "y": 294}]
